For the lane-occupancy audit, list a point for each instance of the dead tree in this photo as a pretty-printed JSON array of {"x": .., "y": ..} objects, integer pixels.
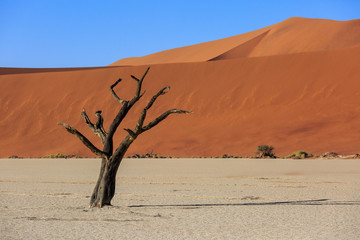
[{"x": 104, "y": 189}]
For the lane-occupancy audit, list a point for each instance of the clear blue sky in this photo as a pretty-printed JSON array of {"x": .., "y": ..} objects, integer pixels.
[{"x": 83, "y": 33}]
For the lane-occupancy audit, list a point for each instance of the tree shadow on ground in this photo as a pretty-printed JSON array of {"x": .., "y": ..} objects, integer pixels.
[{"x": 302, "y": 202}]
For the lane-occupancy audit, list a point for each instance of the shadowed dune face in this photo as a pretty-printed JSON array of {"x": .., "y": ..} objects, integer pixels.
[
  {"x": 243, "y": 50},
  {"x": 299, "y": 101}
]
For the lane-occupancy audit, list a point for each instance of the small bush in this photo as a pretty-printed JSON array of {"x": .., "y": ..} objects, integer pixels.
[
  {"x": 265, "y": 151},
  {"x": 229, "y": 156},
  {"x": 147, "y": 155},
  {"x": 14, "y": 156},
  {"x": 300, "y": 155},
  {"x": 329, "y": 155},
  {"x": 59, "y": 155}
]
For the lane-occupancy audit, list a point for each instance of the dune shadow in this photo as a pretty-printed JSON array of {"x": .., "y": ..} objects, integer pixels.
[{"x": 302, "y": 202}]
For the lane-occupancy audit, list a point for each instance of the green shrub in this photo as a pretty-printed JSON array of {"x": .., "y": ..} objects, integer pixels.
[
  {"x": 265, "y": 151},
  {"x": 300, "y": 155}
]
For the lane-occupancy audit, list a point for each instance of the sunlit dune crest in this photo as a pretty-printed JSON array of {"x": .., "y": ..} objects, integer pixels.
[{"x": 294, "y": 35}]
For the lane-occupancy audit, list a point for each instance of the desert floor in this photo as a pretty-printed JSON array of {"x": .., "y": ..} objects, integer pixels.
[{"x": 182, "y": 199}]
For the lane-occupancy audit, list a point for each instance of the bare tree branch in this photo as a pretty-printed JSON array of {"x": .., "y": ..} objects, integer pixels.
[
  {"x": 114, "y": 94},
  {"x": 97, "y": 128},
  {"x": 148, "y": 106},
  {"x": 100, "y": 123},
  {"x": 84, "y": 140},
  {"x": 127, "y": 105},
  {"x": 139, "y": 126},
  {"x": 135, "y": 78},
  {"x": 157, "y": 120},
  {"x": 131, "y": 132},
  {"x": 138, "y": 90},
  {"x": 108, "y": 146},
  {"x": 153, "y": 99}
]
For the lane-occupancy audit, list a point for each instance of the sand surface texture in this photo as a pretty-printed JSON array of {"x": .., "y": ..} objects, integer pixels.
[
  {"x": 294, "y": 85},
  {"x": 183, "y": 199}
]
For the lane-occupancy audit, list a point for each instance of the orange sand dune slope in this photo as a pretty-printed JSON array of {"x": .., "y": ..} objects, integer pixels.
[
  {"x": 298, "y": 101},
  {"x": 294, "y": 35},
  {"x": 307, "y": 101}
]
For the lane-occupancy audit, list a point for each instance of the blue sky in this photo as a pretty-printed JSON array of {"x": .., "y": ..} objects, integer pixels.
[{"x": 79, "y": 33}]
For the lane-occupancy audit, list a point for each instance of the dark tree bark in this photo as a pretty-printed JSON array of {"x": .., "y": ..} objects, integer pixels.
[{"x": 104, "y": 190}]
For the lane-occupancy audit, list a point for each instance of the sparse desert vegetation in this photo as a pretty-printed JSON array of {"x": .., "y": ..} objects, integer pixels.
[
  {"x": 14, "y": 156},
  {"x": 60, "y": 155},
  {"x": 147, "y": 155},
  {"x": 265, "y": 151},
  {"x": 300, "y": 155},
  {"x": 329, "y": 155}
]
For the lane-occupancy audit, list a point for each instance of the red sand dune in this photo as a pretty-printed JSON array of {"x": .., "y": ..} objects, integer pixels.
[
  {"x": 294, "y": 85},
  {"x": 294, "y": 35}
]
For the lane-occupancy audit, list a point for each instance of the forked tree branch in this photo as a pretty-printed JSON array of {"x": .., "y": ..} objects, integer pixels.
[
  {"x": 97, "y": 128},
  {"x": 134, "y": 134},
  {"x": 137, "y": 95},
  {"x": 139, "y": 126},
  {"x": 138, "y": 89},
  {"x": 117, "y": 120},
  {"x": 114, "y": 94},
  {"x": 142, "y": 117},
  {"x": 127, "y": 105},
  {"x": 84, "y": 140},
  {"x": 131, "y": 132}
]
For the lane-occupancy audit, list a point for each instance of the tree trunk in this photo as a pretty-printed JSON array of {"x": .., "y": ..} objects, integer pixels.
[{"x": 104, "y": 190}]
